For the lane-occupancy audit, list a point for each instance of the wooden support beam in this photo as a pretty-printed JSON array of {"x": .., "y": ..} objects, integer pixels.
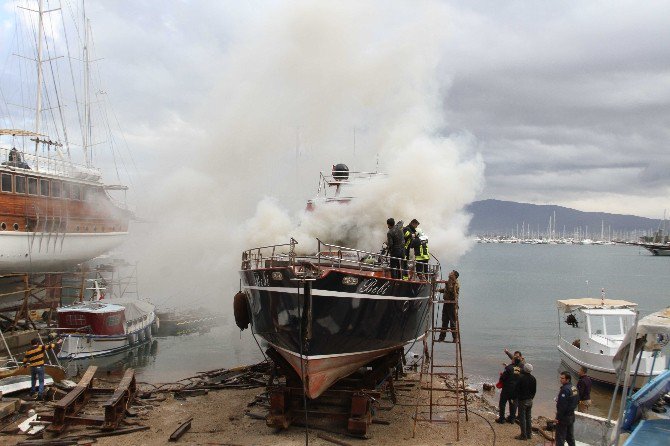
[
  {"x": 72, "y": 403},
  {"x": 123, "y": 396}
]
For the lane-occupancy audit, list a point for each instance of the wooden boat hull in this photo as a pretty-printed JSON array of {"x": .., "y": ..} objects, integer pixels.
[{"x": 329, "y": 327}]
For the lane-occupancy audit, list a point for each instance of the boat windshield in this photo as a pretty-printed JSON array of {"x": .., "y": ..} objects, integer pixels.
[{"x": 610, "y": 325}]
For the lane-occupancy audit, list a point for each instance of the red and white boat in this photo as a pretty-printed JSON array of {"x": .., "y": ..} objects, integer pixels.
[{"x": 105, "y": 327}]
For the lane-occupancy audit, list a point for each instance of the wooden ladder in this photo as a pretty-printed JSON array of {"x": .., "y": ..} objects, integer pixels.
[{"x": 439, "y": 397}]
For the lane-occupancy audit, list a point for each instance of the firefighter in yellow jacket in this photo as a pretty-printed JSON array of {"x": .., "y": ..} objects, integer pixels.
[
  {"x": 421, "y": 254},
  {"x": 35, "y": 360}
]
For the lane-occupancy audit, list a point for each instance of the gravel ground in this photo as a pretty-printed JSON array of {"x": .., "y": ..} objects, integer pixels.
[{"x": 219, "y": 419}]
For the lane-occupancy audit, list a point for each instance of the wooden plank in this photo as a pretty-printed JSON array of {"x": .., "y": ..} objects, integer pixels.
[{"x": 176, "y": 435}]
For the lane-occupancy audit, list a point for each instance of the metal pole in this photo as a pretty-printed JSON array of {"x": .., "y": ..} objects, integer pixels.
[
  {"x": 38, "y": 107},
  {"x": 629, "y": 361}
]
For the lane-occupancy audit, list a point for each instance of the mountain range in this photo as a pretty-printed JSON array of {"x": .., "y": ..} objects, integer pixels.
[{"x": 509, "y": 217}]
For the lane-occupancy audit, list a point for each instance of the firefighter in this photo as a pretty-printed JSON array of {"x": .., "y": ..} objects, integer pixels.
[
  {"x": 409, "y": 234},
  {"x": 421, "y": 254}
]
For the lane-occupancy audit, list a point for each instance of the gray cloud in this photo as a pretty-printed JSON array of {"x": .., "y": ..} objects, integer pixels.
[{"x": 566, "y": 99}]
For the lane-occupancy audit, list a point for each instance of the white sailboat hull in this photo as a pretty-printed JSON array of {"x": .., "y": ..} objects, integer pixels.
[{"x": 38, "y": 251}]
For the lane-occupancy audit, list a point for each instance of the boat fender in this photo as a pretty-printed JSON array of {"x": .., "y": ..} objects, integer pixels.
[
  {"x": 155, "y": 326},
  {"x": 241, "y": 310},
  {"x": 132, "y": 338}
]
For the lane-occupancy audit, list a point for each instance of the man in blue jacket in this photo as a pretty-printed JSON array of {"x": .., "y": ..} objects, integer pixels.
[{"x": 566, "y": 402}]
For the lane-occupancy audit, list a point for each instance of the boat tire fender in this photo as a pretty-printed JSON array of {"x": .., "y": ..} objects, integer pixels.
[{"x": 241, "y": 310}]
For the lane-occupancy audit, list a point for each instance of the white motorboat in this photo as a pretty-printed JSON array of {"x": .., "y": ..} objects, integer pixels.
[
  {"x": 597, "y": 329},
  {"x": 105, "y": 327}
]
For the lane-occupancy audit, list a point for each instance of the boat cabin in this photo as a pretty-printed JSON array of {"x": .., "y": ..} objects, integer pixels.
[
  {"x": 93, "y": 317},
  {"x": 604, "y": 329}
]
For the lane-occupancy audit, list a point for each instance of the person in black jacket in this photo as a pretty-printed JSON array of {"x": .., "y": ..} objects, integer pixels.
[
  {"x": 409, "y": 234},
  {"x": 396, "y": 246},
  {"x": 566, "y": 402},
  {"x": 525, "y": 391},
  {"x": 509, "y": 379},
  {"x": 584, "y": 389}
]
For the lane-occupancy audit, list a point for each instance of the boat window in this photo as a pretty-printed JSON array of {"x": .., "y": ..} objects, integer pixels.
[
  {"x": 597, "y": 325},
  {"x": 75, "y": 320},
  {"x": 613, "y": 325},
  {"x": 75, "y": 192},
  {"x": 44, "y": 188},
  {"x": 55, "y": 189},
  {"x": 6, "y": 182},
  {"x": 32, "y": 186},
  {"x": 66, "y": 190},
  {"x": 20, "y": 184},
  {"x": 113, "y": 320}
]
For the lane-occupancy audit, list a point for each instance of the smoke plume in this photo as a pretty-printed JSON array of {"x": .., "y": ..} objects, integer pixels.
[{"x": 300, "y": 87}]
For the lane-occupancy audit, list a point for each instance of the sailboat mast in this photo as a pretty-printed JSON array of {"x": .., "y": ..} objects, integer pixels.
[
  {"x": 86, "y": 131},
  {"x": 38, "y": 106}
]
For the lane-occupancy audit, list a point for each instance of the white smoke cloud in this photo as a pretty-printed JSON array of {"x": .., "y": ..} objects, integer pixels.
[{"x": 290, "y": 90}]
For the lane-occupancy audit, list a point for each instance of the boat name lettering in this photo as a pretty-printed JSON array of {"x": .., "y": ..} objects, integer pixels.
[
  {"x": 373, "y": 286},
  {"x": 261, "y": 279}
]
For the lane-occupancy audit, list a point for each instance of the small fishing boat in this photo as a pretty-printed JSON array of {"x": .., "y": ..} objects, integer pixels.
[
  {"x": 598, "y": 330},
  {"x": 173, "y": 323},
  {"x": 105, "y": 327},
  {"x": 643, "y": 417}
]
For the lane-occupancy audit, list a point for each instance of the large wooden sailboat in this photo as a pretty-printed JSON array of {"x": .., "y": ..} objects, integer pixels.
[{"x": 54, "y": 213}]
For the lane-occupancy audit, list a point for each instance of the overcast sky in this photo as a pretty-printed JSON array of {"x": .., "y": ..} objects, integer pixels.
[
  {"x": 567, "y": 102},
  {"x": 229, "y": 109}
]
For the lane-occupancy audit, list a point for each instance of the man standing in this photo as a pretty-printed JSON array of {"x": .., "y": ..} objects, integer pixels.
[
  {"x": 421, "y": 254},
  {"x": 509, "y": 379},
  {"x": 566, "y": 402},
  {"x": 584, "y": 389},
  {"x": 451, "y": 290},
  {"x": 35, "y": 359},
  {"x": 396, "y": 248},
  {"x": 409, "y": 234},
  {"x": 517, "y": 354},
  {"x": 526, "y": 388}
]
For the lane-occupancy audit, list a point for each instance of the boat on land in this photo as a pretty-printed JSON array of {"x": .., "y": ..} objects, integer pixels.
[
  {"x": 598, "y": 328},
  {"x": 333, "y": 187},
  {"x": 105, "y": 327},
  {"x": 331, "y": 312},
  {"x": 55, "y": 212}
]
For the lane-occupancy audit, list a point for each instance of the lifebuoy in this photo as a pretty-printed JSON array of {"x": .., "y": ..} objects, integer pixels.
[{"x": 241, "y": 310}]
